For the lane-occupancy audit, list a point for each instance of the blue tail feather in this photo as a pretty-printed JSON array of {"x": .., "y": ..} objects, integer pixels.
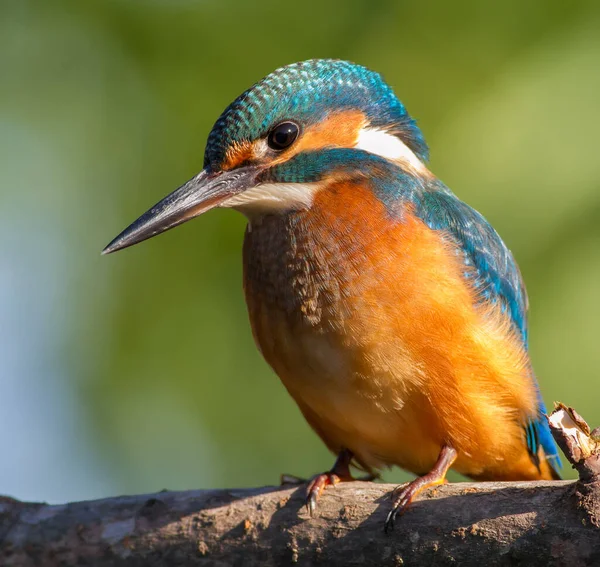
[{"x": 537, "y": 433}]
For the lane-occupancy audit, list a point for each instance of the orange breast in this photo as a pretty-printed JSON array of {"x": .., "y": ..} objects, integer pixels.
[{"x": 373, "y": 330}]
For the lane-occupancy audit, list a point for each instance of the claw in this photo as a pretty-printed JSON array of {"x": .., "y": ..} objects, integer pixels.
[
  {"x": 402, "y": 497},
  {"x": 316, "y": 486},
  {"x": 405, "y": 493},
  {"x": 311, "y": 504},
  {"x": 390, "y": 520}
]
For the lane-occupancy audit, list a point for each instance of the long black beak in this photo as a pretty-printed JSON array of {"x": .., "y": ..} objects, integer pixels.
[{"x": 201, "y": 193}]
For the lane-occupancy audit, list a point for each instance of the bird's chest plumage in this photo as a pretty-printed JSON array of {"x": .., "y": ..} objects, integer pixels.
[
  {"x": 310, "y": 282},
  {"x": 368, "y": 321},
  {"x": 302, "y": 294},
  {"x": 305, "y": 277},
  {"x": 325, "y": 292}
]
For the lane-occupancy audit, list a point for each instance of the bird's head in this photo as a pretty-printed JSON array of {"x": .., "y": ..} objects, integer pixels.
[{"x": 275, "y": 146}]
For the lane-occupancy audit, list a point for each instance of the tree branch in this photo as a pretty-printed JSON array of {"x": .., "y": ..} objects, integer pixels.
[{"x": 541, "y": 523}]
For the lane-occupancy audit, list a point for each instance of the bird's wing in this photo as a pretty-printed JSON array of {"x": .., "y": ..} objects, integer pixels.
[{"x": 491, "y": 264}]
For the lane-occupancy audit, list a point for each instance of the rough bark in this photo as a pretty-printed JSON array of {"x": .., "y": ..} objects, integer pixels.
[{"x": 522, "y": 523}]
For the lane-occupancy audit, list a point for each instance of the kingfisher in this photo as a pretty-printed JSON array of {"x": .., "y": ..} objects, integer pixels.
[{"x": 393, "y": 312}]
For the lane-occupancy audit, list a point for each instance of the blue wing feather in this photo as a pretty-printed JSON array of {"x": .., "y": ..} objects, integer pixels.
[{"x": 498, "y": 280}]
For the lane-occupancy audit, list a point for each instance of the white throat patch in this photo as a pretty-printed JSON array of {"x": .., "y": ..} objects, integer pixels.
[
  {"x": 273, "y": 197},
  {"x": 387, "y": 146}
]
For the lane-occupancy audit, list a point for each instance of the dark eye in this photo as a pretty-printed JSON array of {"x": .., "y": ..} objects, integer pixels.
[{"x": 283, "y": 135}]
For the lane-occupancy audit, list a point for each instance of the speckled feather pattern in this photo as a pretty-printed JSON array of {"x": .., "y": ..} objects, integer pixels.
[{"x": 307, "y": 92}]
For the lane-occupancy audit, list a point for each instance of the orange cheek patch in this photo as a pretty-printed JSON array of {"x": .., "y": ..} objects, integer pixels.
[
  {"x": 237, "y": 154},
  {"x": 339, "y": 129}
]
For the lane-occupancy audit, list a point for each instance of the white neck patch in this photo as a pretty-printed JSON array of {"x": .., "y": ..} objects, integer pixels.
[
  {"x": 388, "y": 146},
  {"x": 273, "y": 197}
]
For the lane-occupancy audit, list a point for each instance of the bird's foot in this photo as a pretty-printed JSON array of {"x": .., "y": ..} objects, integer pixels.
[
  {"x": 406, "y": 493},
  {"x": 323, "y": 480},
  {"x": 317, "y": 485},
  {"x": 402, "y": 497},
  {"x": 340, "y": 472}
]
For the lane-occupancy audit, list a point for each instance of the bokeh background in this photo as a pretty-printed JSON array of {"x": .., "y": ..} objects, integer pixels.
[{"x": 137, "y": 372}]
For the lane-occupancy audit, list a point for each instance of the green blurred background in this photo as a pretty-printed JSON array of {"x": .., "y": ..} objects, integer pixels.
[{"x": 137, "y": 372}]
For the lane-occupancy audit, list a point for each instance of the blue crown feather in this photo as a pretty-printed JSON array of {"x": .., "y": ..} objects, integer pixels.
[{"x": 307, "y": 92}]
